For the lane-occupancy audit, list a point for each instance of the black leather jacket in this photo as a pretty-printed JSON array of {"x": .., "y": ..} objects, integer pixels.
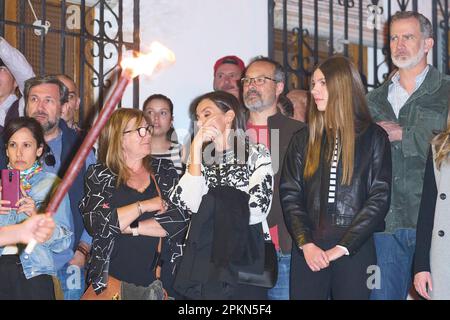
[{"x": 360, "y": 207}]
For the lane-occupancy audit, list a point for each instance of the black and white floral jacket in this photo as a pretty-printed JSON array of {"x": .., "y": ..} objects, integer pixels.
[{"x": 255, "y": 178}]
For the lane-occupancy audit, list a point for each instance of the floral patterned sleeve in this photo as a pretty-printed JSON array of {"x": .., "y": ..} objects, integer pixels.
[
  {"x": 261, "y": 180},
  {"x": 189, "y": 191}
]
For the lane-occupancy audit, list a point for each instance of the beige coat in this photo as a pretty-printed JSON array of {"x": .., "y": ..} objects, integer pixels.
[{"x": 440, "y": 241}]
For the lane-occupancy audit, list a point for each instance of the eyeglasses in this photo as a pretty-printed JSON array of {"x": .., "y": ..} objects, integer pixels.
[
  {"x": 142, "y": 131},
  {"x": 258, "y": 81},
  {"x": 49, "y": 157}
]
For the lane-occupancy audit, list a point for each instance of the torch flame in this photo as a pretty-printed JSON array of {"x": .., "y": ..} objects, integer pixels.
[{"x": 158, "y": 56}]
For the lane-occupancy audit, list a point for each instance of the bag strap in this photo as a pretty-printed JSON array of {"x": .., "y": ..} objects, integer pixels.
[
  {"x": 157, "y": 269},
  {"x": 156, "y": 185}
]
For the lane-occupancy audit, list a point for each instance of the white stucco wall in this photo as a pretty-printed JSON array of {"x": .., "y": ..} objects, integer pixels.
[{"x": 199, "y": 32}]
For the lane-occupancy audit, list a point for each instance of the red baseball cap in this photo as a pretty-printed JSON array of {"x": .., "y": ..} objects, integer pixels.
[{"x": 231, "y": 60}]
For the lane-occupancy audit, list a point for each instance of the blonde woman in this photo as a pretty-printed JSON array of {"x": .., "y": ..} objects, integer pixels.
[
  {"x": 122, "y": 208},
  {"x": 432, "y": 257},
  {"x": 335, "y": 188}
]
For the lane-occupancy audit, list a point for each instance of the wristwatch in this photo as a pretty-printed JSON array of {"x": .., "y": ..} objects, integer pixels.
[
  {"x": 135, "y": 232},
  {"x": 134, "y": 228}
]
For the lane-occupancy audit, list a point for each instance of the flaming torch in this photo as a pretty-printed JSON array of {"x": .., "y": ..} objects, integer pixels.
[{"x": 158, "y": 57}]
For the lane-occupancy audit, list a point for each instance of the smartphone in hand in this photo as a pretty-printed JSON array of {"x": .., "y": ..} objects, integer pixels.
[{"x": 11, "y": 186}]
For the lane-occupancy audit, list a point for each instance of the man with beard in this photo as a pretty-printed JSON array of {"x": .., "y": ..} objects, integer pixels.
[
  {"x": 45, "y": 98},
  {"x": 262, "y": 85},
  {"x": 227, "y": 73},
  {"x": 411, "y": 106}
]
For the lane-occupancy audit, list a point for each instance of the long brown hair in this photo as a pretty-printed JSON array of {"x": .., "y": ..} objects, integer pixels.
[
  {"x": 110, "y": 150},
  {"x": 345, "y": 116}
]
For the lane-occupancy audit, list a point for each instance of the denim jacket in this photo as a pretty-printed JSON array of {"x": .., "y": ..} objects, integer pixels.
[{"x": 40, "y": 261}]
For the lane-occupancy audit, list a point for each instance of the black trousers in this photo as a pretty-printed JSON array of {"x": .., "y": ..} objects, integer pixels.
[
  {"x": 14, "y": 285},
  {"x": 344, "y": 279}
]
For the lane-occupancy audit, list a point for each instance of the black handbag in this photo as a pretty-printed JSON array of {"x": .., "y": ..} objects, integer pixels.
[{"x": 268, "y": 278}]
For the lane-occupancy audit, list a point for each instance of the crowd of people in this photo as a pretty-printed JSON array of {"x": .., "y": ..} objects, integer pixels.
[{"x": 326, "y": 194}]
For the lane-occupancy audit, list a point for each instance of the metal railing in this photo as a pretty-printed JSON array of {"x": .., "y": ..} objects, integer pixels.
[
  {"x": 302, "y": 33},
  {"x": 96, "y": 28}
]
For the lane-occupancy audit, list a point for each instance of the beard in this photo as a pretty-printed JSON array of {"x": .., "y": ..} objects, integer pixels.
[
  {"x": 411, "y": 62},
  {"x": 256, "y": 103},
  {"x": 47, "y": 125}
]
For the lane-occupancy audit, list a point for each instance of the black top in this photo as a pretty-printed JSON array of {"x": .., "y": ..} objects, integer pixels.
[
  {"x": 133, "y": 257},
  {"x": 425, "y": 221}
]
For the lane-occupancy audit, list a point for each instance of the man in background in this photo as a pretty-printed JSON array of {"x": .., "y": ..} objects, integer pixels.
[
  {"x": 228, "y": 71},
  {"x": 411, "y": 106},
  {"x": 262, "y": 86},
  {"x": 70, "y": 109}
]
